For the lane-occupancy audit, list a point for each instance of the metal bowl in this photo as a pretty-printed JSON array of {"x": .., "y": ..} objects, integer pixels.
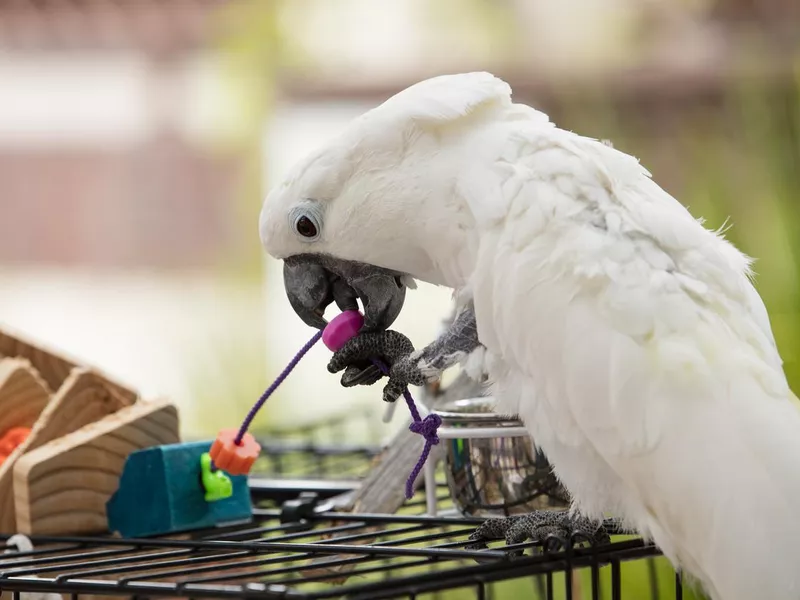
[{"x": 499, "y": 473}]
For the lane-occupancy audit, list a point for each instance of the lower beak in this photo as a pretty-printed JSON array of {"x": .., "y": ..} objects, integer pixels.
[{"x": 313, "y": 282}]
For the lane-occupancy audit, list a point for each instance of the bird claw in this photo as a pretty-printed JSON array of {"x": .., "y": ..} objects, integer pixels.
[
  {"x": 553, "y": 529},
  {"x": 394, "y": 350},
  {"x": 361, "y": 373}
]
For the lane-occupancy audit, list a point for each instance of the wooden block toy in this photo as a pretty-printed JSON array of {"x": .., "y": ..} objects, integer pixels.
[
  {"x": 53, "y": 368},
  {"x": 83, "y": 398},
  {"x": 165, "y": 489},
  {"x": 63, "y": 486},
  {"x": 23, "y": 397}
]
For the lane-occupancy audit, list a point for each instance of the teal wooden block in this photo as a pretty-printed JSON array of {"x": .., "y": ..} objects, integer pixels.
[{"x": 160, "y": 491}]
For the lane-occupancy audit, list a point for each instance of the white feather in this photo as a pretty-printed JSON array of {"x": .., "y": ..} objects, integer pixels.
[
  {"x": 629, "y": 338},
  {"x": 438, "y": 100},
  {"x": 640, "y": 357}
]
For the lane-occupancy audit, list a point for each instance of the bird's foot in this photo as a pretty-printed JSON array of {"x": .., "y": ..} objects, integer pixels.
[
  {"x": 551, "y": 528},
  {"x": 394, "y": 350}
]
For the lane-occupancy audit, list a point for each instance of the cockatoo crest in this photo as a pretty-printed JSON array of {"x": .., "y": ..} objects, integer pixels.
[
  {"x": 372, "y": 176},
  {"x": 444, "y": 98}
]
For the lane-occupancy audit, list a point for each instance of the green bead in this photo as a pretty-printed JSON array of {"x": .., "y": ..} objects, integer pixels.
[{"x": 217, "y": 484}]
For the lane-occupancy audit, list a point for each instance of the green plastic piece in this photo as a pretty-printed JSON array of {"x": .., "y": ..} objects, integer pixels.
[{"x": 217, "y": 484}]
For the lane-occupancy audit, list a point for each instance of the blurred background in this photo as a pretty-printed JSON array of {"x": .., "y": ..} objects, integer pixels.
[{"x": 138, "y": 139}]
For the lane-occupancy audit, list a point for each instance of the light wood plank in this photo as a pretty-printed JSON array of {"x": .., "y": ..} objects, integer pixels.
[
  {"x": 23, "y": 398},
  {"x": 63, "y": 486},
  {"x": 84, "y": 397},
  {"x": 23, "y": 394}
]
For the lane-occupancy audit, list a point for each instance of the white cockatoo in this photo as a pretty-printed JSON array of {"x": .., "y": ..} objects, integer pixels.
[{"x": 627, "y": 337}]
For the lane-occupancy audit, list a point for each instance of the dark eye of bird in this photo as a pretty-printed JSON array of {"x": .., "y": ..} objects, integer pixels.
[{"x": 305, "y": 227}]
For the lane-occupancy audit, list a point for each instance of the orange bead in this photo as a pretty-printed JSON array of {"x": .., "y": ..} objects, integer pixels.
[
  {"x": 13, "y": 438},
  {"x": 232, "y": 458}
]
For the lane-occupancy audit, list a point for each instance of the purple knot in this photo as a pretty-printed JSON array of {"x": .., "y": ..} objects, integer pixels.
[{"x": 428, "y": 428}]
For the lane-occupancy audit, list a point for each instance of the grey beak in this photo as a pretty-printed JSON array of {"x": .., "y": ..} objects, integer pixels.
[{"x": 313, "y": 282}]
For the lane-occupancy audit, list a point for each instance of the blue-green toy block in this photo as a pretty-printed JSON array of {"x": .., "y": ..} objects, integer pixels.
[{"x": 162, "y": 491}]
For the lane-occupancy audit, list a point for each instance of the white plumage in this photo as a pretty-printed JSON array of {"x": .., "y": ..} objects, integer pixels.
[{"x": 628, "y": 337}]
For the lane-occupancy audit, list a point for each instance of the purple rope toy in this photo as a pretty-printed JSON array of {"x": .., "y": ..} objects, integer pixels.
[{"x": 336, "y": 333}]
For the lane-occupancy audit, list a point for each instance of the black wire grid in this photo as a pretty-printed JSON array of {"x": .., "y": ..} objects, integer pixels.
[{"x": 298, "y": 547}]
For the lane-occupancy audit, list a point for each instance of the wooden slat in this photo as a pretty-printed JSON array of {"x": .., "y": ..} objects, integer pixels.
[
  {"x": 23, "y": 398},
  {"x": 63, "y": 486},
  {"x": 23, "y": 394},
  {"x": 54, "y": 369},
  {"x": 85, "y": 397}
]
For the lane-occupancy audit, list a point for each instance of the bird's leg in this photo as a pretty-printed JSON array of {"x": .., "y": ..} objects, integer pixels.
[
  {"x": 406, "y": 366},
  {"x": 563, "y": 526},
  {"x": 457, "y": 341}
]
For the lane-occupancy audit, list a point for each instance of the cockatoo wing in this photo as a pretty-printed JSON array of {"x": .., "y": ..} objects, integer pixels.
[{"x": 632, "y": 337}]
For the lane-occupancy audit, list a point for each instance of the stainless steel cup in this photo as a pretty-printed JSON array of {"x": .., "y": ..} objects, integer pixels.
[{"x": 495, "y": 475}]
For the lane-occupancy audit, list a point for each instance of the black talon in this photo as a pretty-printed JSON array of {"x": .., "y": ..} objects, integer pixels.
[
  {"x": 360, "y": 373},
  {"x": 554, "y": 530},
  {"x": 391, "y": 348}
]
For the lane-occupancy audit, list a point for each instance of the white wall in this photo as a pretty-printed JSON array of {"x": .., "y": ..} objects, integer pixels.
[{"x": 88, "y": 100}]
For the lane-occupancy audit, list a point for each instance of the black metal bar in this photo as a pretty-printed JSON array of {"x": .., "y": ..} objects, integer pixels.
[
  {"x": 128, "y": 568},
  {"x": 402, "y": 555},
  {"x": 333, "y": 562},
  {"x": 255, "y": 562},
  {"x": 259, "y": 562},
  {"x": 616, "y": 583},
  {"x": 281, "y": 490},
  {"x": 595, "y": 574},
  {"x": 267, "y": 546},
  {"x": 568, "y": 571},
  {"x": 232, "y": 533},
  {"x": 388, "y": 519},
  {"x": 548, "y": 583},
  {"x": 520, "y": 568},
  {"x": 452, "y": 579},
  {"x": 652, "y": 571},
  {"x": 14, "y": 561},
  {"x": 59, "y": 568}
]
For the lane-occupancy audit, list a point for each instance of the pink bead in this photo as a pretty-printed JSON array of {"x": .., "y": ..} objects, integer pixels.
[{"x": 341, "y": 328}]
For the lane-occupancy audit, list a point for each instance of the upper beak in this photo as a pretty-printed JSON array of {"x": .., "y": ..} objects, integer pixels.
[{"x": 313, "y": 282}]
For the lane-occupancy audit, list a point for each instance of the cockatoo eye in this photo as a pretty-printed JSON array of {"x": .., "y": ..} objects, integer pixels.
[
  {"x": 306, "y": 227},
  {"x": 306, "y": 222}
]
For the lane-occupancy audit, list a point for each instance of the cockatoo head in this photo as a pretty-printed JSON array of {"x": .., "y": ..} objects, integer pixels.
[
  {"x": 327, "y": 225},
  {"x": 348, "y": 218}
]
